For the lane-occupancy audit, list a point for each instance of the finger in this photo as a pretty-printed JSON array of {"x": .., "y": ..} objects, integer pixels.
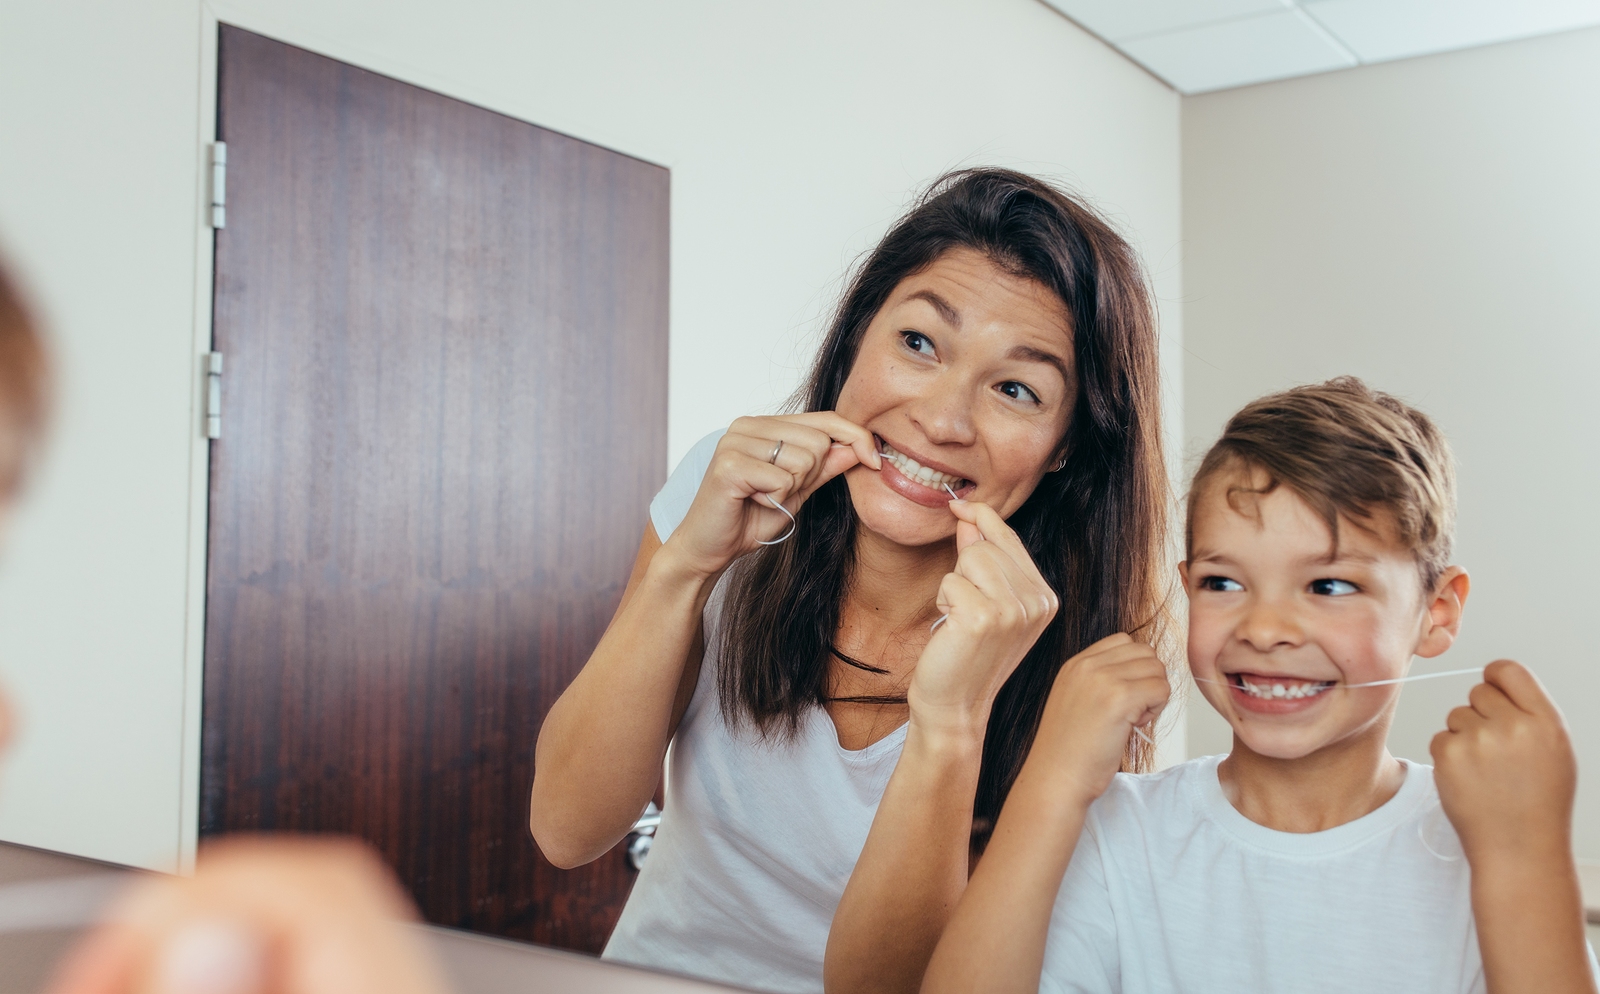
[
  {"x": 843, "y": 430},
  {"x": 800, "y": 450},
  {"x": 994, "y": 529},
  {"x": 1491, "y": 702},
  {"x": 745, "y": 476},
  {"x": 1463, "y": 719},
  {"x": 958, "y": 594},
  {"x": 992, "y": 572},
  {"x": 1520, "y": 687}
]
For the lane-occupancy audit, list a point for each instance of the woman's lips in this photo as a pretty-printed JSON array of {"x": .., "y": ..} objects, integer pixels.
[
  {"x": 910, "y": 480},
  {"x": 914, "y": 491}
]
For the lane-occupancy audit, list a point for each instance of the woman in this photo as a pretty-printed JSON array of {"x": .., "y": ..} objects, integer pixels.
[{"x": 849, "y": 702}]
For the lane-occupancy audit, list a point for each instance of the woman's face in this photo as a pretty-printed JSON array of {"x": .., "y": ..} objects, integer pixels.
[{"x": 966, "y": 379}]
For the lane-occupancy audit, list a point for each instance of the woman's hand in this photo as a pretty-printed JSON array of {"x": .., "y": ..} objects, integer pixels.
[
  {"x": 1100, "y": 696},
  {"x": 731, "y": 512},
  {"x": 261, "y": 915},
  {"x": 995, "y": 605}
]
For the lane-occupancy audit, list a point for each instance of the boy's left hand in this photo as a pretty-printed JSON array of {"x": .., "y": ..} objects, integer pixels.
[{"x": 1505, "y": 768}]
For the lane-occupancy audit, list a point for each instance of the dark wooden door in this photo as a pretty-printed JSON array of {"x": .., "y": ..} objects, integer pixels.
[{"x": 444, "y": 411}]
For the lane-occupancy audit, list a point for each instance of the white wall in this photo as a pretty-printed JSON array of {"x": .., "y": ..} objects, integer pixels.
[
  {"x": 794, "y": 134},
  {"x": 1430, "y": 226}
]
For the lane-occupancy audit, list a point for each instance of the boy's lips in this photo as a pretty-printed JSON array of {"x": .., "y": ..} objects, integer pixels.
[
  {"x": 919, "y": 482},
  {"x": 1267, "y": 693}
]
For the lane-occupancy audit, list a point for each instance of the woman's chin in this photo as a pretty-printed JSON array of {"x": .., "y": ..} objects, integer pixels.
[{"x": 890, "y": 516}]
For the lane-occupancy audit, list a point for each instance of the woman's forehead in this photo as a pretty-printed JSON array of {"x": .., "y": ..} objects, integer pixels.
[{"x": 965, "y": 288}]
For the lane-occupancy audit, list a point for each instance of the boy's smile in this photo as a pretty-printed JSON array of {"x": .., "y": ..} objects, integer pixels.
[{"x": 1280, "y": 622}]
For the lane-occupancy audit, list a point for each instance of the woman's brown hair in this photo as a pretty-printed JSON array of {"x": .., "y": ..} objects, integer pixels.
[
  {"x": 1096, "y": 528},
  {"x": 24, "y": 389}
]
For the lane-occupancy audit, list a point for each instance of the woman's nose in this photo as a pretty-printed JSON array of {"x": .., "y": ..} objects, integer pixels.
[
  {"x": 945, "y": 417},
  {"x": 1268, "y": 625}
]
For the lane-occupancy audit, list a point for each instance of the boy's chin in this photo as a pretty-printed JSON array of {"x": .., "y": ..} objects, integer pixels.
[{"x": 1279, "y": 743}]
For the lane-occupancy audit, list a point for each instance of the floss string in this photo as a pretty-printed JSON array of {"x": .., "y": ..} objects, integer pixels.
[{"x": 1375, "y": 683}]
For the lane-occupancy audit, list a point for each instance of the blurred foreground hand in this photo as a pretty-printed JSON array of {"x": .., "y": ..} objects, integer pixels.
[{"x": 261, "y": 915}]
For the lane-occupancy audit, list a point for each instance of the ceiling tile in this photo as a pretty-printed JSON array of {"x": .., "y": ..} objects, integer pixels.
[
  {"x": 1393, "y": 29},
  {"x": 1118, "y": 20},
  {"x": 1238, "y": 52}
]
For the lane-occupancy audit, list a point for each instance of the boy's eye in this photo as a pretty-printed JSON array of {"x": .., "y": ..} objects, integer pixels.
[
  {"x": 916, "y": 341},
  {"x": 1332, "y": 588},
  {"x": 1221, "y": 585},
  {"x": 1017, "y": 391}
]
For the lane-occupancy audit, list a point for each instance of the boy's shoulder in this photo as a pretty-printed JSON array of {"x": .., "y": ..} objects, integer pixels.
[{"x": 1186, "y": 798}]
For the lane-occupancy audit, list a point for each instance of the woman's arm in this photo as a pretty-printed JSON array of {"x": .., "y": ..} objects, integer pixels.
[
  {"x": 600, "y": 750},
  {"x": 914, "y": 865},
  {"x": 995, "y": 941}
]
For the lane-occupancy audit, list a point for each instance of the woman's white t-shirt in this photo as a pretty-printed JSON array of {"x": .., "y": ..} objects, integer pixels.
[{"x": 759, "y": 837}]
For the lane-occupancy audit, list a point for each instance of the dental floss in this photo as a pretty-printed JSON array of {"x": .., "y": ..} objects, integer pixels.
[
  {"x": 943, "y": 617},
  {"x": 793, "y": 524},
  {"x": 1376, "y": 683}
]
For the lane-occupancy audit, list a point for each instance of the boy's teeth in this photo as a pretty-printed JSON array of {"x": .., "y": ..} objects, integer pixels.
[
  {"x": 1293, "y": 691},
  {"x": 913, "y": 470}
]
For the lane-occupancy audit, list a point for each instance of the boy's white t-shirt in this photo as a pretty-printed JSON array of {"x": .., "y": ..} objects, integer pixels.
[
  {"x": 758, "y": 837},
  {"x": 1172, "y": 889}
]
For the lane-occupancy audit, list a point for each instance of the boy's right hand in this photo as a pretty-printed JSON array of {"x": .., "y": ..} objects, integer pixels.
[
  {"x": 1505, "y": 768},
  {"x": 728, "y": 518},
  {"x": 1100, "y": 696}
]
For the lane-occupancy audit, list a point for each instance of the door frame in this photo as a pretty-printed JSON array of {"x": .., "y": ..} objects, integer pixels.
[{"x": 214, "y": 13}]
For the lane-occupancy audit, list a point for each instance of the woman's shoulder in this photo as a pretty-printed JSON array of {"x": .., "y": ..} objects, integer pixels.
[{"x": 671, "y": 504}]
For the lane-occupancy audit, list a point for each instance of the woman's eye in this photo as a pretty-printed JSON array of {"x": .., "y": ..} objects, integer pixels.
[
  {"x": 916, "y": 341},
  {"x": 1221, "y": 585},
  {"x": 1332, "y": 588},
  {"x": 1016, "y": 391}
]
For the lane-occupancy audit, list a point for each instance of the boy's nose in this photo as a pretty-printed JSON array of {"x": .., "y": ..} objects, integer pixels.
[{"x": 1267, "y": 625}]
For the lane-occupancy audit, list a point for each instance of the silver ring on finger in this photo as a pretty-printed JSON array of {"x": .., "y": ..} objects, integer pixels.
[{"x": 775, "y": 450}]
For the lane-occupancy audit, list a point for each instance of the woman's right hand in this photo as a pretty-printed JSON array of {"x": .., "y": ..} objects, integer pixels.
[
  {"x": 1099, "y": 698},
  {"x": 731, "y": 515}
]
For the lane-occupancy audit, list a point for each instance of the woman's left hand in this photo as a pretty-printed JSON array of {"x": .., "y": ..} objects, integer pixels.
[{"x": 996, "y": 606}]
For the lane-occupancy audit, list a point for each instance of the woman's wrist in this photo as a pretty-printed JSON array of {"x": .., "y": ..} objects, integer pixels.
[{"x": 670, "y": 568}]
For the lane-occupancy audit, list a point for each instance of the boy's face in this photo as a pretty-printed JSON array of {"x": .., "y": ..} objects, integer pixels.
[{"x": 1281, "y": 628}]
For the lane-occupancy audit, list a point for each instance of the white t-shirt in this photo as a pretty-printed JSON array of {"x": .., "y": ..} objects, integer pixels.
[
  {"x": 1172, "y": 889},
  {"x": 758, "y": 838}
]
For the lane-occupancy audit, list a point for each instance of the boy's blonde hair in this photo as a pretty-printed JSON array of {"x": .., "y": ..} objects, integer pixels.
[{"x": 1346, "y": 450}]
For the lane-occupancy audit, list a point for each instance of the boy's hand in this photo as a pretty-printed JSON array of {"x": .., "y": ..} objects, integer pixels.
[
  {"x": 1505, "y": 768},
  {"x": 1100, "y": 696}
]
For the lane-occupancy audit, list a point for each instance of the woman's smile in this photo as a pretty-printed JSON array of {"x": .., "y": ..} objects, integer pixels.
[{"x": 920, "y": 482}]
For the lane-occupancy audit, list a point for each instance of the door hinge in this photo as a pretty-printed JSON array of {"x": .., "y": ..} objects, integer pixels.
[
  {"x": 213, "y": 367},
  {"x": 219, "y": 184}
]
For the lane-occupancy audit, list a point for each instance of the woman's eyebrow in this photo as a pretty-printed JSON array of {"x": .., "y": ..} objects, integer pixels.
[
  {"x": 951, "y": 316},
  {"x": 1027, "y": 353}
]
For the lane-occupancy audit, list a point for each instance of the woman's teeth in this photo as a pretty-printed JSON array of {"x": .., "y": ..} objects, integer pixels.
[
  {"x": 1290, "y": 692},
  {"x": 912, "y": 470}
]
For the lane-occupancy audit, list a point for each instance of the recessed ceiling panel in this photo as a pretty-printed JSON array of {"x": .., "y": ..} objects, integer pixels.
[
  {"x": 1119, "y": 20},
  {"x": 1377, "y": 30},
  {"x": 1238, "y": 52}
]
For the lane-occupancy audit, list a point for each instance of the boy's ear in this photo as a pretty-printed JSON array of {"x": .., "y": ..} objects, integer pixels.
[{"x": 1449, "y": 599}]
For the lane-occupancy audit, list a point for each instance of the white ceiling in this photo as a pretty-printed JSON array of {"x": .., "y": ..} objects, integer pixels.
[{"x": 1203, "y": 45}]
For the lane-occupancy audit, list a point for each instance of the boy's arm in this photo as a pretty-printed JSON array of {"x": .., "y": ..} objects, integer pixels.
[
  {"x": 1506, "y": 776},
  {"x": 995, "y": 940}
]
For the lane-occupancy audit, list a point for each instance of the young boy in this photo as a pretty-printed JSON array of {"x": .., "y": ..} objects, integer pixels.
[{"x": 1309, "y": 858}]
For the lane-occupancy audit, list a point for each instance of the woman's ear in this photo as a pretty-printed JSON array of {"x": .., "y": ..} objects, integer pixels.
[{"x": 1445, "y": 605}]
